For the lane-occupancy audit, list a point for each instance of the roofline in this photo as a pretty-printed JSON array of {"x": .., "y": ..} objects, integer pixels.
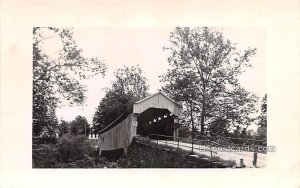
[
  {"x": 157, "y": 94},
  {"x": 116, "y": 122},
  {"x": 146, "y": 98}
]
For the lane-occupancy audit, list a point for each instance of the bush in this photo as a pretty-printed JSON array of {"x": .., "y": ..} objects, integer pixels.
[
  {"x": 72, "y": 148},
  {"x": 44, "y": 156},
  {"x": 69, "y": 152},
  {"x": 44, "y": 140},
  {"x": 184, "y": 132}
]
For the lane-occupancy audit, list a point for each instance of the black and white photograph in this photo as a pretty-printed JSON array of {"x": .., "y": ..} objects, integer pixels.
[
  {"x": 182, "y": 97},
  {"x": 147, "y": 93}
]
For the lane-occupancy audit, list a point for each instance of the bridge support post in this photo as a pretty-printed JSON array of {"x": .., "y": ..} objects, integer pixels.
[
  {"x": 175, "y": 134},
  {"x": 176, "y": 126}
]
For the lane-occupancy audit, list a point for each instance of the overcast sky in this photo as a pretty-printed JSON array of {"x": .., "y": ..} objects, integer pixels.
[{"x": 144, "y": 46}]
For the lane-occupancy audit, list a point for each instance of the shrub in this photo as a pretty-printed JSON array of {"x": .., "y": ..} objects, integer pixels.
[
  {"x": 69, "y": 152},
  {"x": 72, "y": 148},
  {"x": 44, "y": 140},
  {"x": 45, "y": 156}
]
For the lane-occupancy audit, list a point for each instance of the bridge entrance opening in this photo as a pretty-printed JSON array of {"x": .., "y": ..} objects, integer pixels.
[{"x": 157, "y": 121}]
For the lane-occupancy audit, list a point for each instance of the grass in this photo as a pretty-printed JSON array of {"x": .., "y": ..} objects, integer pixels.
[{"x": 148, "y": 141}]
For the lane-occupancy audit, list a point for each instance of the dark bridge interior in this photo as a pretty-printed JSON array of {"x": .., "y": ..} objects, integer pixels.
[{"x": 155, "y": 121}]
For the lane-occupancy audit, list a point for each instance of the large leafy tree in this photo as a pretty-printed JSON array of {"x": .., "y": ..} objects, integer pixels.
[
  {"x": 129, "y": 86},
  {"x": 79, "y": 126},
  {"x": 203, "y": 74},
  {"x": 56, "y": 76},
  {"x": 130, "y": 81}
]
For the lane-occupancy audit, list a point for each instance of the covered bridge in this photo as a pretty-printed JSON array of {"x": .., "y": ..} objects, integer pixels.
[{"x": 156, "y": 114}]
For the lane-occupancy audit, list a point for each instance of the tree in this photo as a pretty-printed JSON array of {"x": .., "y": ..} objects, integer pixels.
[
  {"x": 110, "y": 107},
  {"x": 129, "y": 87},
  {"x": 56, "y": 77},
  {"x": 64, "y": 127},
  {"x": 79, "y": 126},
  {"x": 238, "y": 107},
  {"x": 263, "y": 114},
  {"x": 219, "y": 127},
  {"x": 130, "y": 81},
  {"x": 262, "y": 129},
  {"x": 203, "y": 74},
  {"x": 182, "y": 89},
  {"x": 44, "y": 119}
]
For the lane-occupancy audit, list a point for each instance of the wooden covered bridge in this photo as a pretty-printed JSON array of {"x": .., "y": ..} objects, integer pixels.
[{"x": 156, "y": 114}]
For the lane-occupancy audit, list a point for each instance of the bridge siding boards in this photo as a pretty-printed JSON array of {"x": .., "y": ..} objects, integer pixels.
[
  {"x": 158, "y": 100},
  {"x": 120, "y": 136}
]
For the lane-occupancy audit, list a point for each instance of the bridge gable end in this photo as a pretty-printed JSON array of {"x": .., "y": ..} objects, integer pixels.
[{"x": 158, "y": 100}]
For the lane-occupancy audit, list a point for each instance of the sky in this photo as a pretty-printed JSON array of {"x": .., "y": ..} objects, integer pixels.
[{"x": 144, "y": 46}]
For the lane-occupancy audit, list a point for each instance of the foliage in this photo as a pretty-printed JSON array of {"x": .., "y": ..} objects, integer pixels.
[
  {"x": 262, "y": 119},
  {"x": 129, "y": 87},
  {"x": 79, "y": 126},
  {"x": 184, "y": 132},
  {"x": 70, "y": 152},
  {"x": 111, "y": 106},
  {"x": 44, "y": 156},
  {"x": 72, "y": 148},
  {"x": 57, "y": 76},
  {"x": 130, "y": 81},
  {"x": 64, "y": 128},
  {"x": 262, "y": 132},
  {"x": 263, "y": 114},
  {"x": 219, "y": 127},
  {"x": 49, "y": 156},
  {"x": 204, "y": 67},
  {"x": 44, "y": 119},
  {"x": 44, "y": 140}
]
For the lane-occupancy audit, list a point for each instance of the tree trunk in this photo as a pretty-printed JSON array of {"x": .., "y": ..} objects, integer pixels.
[
  {"x": 193, "y": 125},
  {"x": 193, "y": 130},
  {"x": 202, "y": 119}
]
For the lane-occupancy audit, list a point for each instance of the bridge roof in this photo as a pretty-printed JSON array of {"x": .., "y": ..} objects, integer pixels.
[{"x": 158, "y": 100}]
